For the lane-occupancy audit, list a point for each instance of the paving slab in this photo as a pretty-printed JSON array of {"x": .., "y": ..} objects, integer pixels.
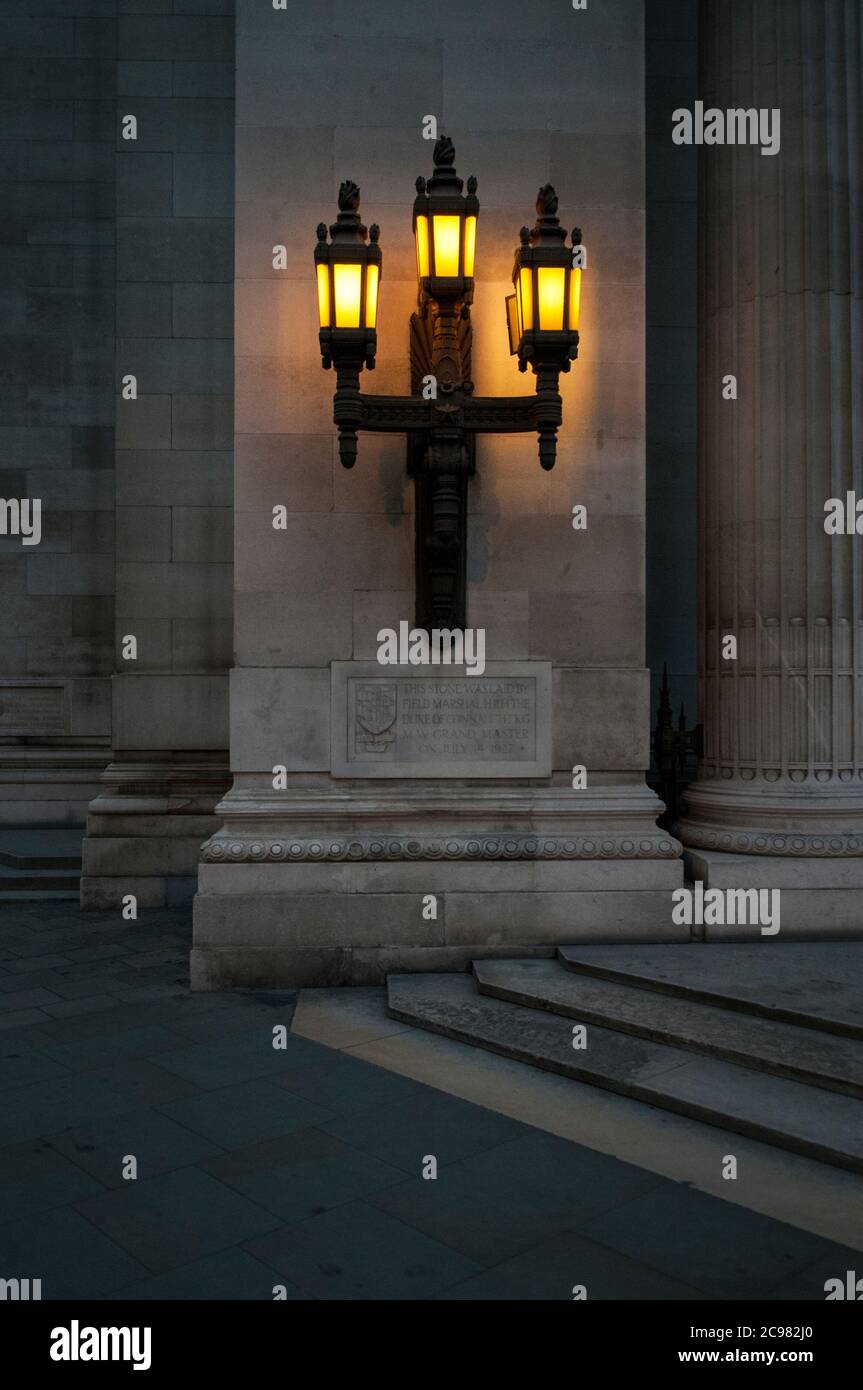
[
  {"x": 159, "y": 1144},
  {"x": 244, "y": 1113},
  {"x": 542, "y": 1185},
  {"x": 726, "y": 1252},
  {"x": 324, "y": 1141},
  {"x": 229, "y": 1276},
  {"x": 815, "y": 985},
  {"x": 165, "y": 1222},
  {"x": 782, "y": 1049},
  {"x": 549, "y": 1272},
  {"x": 356, "y": 1252},
  {"x": 74, "y": 1260}
]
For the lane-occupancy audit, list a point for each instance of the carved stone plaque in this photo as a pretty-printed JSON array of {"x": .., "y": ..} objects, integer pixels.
[
  {"x": 438, "y": 721},
  {"x": 29, "y": 709}
]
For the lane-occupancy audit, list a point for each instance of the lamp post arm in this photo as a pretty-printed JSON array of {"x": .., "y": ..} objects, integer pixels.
[
  {"x": 354, "y": 410},
  {"x": 394, "y": 414},
  {"x": 542, "y": 413},
  {"x": 500, "y": 414}
]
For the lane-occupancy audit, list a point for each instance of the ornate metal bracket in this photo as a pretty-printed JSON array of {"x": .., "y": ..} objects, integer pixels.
[{"x": 442, "y": 429}]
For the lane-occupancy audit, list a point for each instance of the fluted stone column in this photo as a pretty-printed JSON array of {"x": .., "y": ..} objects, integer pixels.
[{"x": 781, "y": 266}]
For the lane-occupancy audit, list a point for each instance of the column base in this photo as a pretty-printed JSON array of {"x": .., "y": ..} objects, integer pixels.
[
  {"x": 821, "y": 899},
  {"x": 343, "y": 886},
  {"x": 804, "y": 818},
  {"x": 44, "y": 784},
  {"x": 146, "y": 827}
]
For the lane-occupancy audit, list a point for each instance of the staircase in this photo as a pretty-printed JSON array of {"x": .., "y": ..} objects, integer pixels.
[
  {"x": 764, "y": 1040},
  {"x": 41, "y": 864}
]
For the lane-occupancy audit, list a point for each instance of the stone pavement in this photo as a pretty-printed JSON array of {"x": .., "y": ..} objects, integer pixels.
[{"x": 302, "y": 1167}]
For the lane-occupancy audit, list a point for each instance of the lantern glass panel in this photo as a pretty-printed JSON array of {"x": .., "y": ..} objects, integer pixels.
[
  {"x": 422, "y": 239},
  {"x": 324, "y": 295},
  {"x": 447, "y": 242},
  {"x": 552, "y": 291},
  {"x": 512, "y": 323},
  {"x": 372, "y": 275},
  {"x": 348, "y": 294},
  {"x": 525, "y": 299},
  {"x": 574, "y": 297},
  {"x": 469, "y": 245}
]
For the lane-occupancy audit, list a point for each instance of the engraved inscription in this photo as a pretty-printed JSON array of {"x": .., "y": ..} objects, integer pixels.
[
  {"x": 418, "y": 722},
  {"x": 455, "y": 719},
  {"x": 28, "y": 710}
]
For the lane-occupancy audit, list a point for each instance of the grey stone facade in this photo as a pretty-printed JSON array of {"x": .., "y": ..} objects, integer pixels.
[
  {"x": 118, "y": 261},
  {"x": 173, "y": 452},
  {"x": 57, "y": 259},
  {"x": 165, "y": 649}
]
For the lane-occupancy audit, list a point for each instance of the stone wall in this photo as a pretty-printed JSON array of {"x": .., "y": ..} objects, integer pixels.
[
  {"x": 316, "y": 104},
  {"x": 58, "y": 76}
]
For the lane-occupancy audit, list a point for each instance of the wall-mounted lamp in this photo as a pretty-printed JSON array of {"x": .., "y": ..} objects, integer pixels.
[{"x": 542, "y": 323}]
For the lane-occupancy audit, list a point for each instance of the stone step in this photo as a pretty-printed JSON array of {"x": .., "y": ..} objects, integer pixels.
[
  {"x": 46, "y": 895},
  {"x": 47, "y": 861},
  {"x": 782, "y": 1049},
  {"x": 35, "y": 880},
  {"x": 785, "y": 1113},
  {"x": 40, "y": 848},
  {"x": 813, "y": 985}
]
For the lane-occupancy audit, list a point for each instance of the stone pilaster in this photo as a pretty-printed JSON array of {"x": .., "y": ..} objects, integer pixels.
[
  {"x": 781, "y": 268},
  {"x": 173, "y": 459}
]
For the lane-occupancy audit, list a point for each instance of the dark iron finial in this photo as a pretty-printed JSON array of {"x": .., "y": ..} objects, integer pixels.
[
  {"x": 548, "y": 231},
  {"x": 349, "y": 196},
  {"x": 347, "y": 226},
  {"x": 546, "y": 201},
  {"x": 444, "y": 152}
]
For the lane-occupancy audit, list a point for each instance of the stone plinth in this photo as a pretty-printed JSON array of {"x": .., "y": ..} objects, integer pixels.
[
  {"x": 341, "y": 885},
  {"x": 819, "y": 898}
]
